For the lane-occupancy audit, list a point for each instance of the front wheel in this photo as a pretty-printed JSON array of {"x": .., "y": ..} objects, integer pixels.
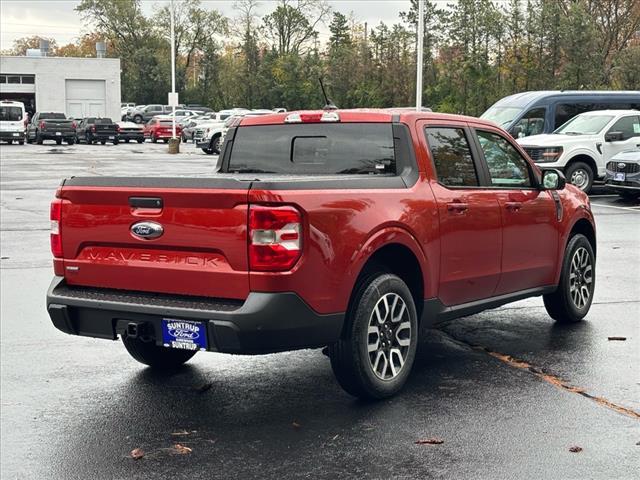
[
  {"x": 161, "y": 358},
  {"x": 375, "y": 355},
  {"x": 216, "y": 144},
  {"x": 581, "y": 175},
  {"x": 572, "y": 299}
]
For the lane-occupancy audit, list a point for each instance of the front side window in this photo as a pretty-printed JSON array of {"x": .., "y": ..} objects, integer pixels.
[
  {"x": 532, "y": 123},
  {"x": 507, "y": 168},
  {"x": 628, "y": 126},
  {"x": 452, "y": 157}
]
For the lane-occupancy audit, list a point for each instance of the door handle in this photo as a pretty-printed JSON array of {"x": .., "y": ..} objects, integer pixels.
[
  {"x": 457, "y": 207},
  {"x": 513, "y": 206}
]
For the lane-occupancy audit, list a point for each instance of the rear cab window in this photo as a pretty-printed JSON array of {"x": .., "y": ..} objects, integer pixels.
[{"x": 314, "y": 149}]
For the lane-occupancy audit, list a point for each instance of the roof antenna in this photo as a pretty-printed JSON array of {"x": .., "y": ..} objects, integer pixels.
[{"x": 329, "y": 105}]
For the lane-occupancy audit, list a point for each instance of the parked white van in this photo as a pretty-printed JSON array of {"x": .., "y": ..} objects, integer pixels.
[{"x": 12, "y": 116}]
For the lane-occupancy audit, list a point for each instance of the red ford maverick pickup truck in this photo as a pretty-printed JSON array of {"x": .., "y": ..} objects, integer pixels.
[{"x": 349, "y": 229}]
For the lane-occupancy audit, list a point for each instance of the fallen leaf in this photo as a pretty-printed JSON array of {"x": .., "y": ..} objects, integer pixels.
[
  {"x": 619, "y": 339},
  {"x": 137, "y": 453},
  {"x": 180, "y": 433},
  {"x": 575, "y": 449},
  {"x": 204, "y": 387},
  {"x": 295, "y": 424},
  {"x": 429, "y": 441},
  {"x": 181, "y": 449}
]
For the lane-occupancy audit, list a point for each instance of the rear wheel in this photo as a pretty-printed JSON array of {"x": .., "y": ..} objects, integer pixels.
[
  {"x": 137, "y": 119},
  {"x": 116, "y": 141},
  {"x": 375, "y": 355},
  {"x": 126, "y": 140},
  {"x": 581, "y": 175},
  {"x": 141, "y": 140},
  {"x": 154, "y": 139},
  {"x": 58, "y": 141},
  {"x": 216, "y": 144},
  {"x": 165, "y": 140},
  {"x": 149, "y": 353},
  {"x": 103, "y": 142},
  {"x": 20, "y": 142},
  {"x": 572, "y": 300},
  {"x": 39, "y": 139},
  {"x": 71, "y": 141}
]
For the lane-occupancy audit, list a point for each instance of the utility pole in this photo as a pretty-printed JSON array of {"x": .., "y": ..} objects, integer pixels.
[
  {"x": 173, "y": 73},
  {"x": 420, "y": 55}
]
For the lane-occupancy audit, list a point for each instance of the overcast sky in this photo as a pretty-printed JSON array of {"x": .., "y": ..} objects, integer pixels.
[{"x": 57, "y": 18}]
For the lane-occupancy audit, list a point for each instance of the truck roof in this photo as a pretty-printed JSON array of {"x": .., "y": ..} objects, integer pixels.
[{"x": 369, "y": 115}]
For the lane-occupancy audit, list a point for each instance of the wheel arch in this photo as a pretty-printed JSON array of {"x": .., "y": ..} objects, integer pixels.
[
  {"x": 585, "y": 158},
  {"x": 584, "y": 227},
  {"x": 400, "y": 257}
]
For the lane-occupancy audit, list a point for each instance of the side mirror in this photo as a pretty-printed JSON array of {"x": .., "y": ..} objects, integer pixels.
[
  {"x": 613, "y": 136},
  {"x": 553, "y": 180}
]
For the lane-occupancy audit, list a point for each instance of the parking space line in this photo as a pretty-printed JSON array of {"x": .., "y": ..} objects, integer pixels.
[
  {"x": 630, "y": 209},
  {"x": 549, "y": 378}
]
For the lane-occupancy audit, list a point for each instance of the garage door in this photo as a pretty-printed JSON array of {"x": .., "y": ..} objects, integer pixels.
[{"x": 85, "y": 98}]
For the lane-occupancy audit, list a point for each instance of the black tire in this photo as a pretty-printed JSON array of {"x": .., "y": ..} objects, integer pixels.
[
  {"x": 39, "y": 139},
  {"x": 561, "y": 305},
  {"x": 58, "y": 141},
  {"x": 116, "y": 141},
  {"x": 165, "y": 140},
  {"x": 149, "y": 353},
  {"x": 103, "y": 142},
  {"x": 351, "y": 361},
  {"x": 208, "y": 151},
  {"x": 581, "y": 175},
  {"x": 154, "y": 139},
  {"x": 137, "y": 119},
  {"x": 215, "y": 144},
  {"x": 9, "y": 142},
  {"x": 20, "y": 142},
  {"x": 28, "y": 140},
  {"x": 126, "y": 140},
  {"x": 141, "y": 140},
  {"x": 71, "y": 141}
]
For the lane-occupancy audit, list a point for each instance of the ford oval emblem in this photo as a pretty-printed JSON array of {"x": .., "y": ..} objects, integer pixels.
[
  {"x": 146, "y": 230},
  {"x": 622, "y": 166}
]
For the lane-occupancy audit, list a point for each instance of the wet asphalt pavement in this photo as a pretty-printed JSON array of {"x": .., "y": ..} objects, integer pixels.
[{"x": 508, "y": 391}]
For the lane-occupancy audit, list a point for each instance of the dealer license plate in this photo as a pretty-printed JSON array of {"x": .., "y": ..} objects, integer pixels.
[
  {"x": 111, "y": 138},
  {"x": 184, "y": 334},
  {"x": 619, "y": 177},
  {"x": 58, "y": 133},
  {"x": 16, "y": 134}
]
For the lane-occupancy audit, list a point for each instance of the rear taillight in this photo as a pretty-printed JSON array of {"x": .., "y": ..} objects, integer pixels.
[
  {"x": 42, "y": 124},
  {"x": 56, "y": 217},
  {"x": 93, "y": 128},
  {"x": 118, "y": 128},
  {"x": 275, "y": 238},
  {"x": 74, "y": 125}
]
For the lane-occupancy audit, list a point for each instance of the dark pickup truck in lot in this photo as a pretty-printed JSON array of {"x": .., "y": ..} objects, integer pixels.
[
  {"x": 346, "y": 229},
  {"x": 51, "y": 126},
  {"x": 93, "y": 130}
]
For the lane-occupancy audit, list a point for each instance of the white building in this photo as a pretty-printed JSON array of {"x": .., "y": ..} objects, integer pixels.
[{"x": 79, "y": 87}]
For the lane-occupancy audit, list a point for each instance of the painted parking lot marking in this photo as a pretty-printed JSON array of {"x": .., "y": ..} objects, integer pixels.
[{"x": 630, "y": 209}]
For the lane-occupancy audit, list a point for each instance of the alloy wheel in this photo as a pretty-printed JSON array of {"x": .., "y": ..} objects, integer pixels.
[
  {"x": 388, "y": 336},
  {"x": 581, "y": 278}
]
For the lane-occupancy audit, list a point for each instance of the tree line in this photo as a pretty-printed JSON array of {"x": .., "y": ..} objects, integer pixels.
[{"x": 476, "y": 51}]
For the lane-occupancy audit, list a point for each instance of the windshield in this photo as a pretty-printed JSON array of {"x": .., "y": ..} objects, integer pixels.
[
  {"x": 351, "y": 148},
  {"x": 10, "y": 114},
  {"x": 584, "y": 125},
  {"x": 501, "y": 115}
]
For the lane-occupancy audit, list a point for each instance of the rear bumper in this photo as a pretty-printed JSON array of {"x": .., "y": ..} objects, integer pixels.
[
  {"x": 131, "y": 135},
  {"x": 8, "y": 135},
  {"x": 263, "y": 323},
  {"x": 52, "y": 135}
]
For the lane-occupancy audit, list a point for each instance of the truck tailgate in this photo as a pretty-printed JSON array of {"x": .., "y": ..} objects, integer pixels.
[{"x": 202, "y": 249}]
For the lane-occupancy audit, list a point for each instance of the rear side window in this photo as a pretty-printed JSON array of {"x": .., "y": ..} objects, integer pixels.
[
  {"x": 566, "y": 111},
  {"x": 452, "y": 157},
  {"x": 339, "y": 148}
]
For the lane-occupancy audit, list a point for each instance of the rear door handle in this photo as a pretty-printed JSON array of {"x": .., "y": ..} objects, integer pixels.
[
  {"x": 513, "y": 206},
  {"x": 457, "y": 207}
]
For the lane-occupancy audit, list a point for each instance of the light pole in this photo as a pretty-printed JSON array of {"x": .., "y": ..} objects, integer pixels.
[
  {"x": 420, "y": 55},
  {"x": 173, "y": 75}
]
